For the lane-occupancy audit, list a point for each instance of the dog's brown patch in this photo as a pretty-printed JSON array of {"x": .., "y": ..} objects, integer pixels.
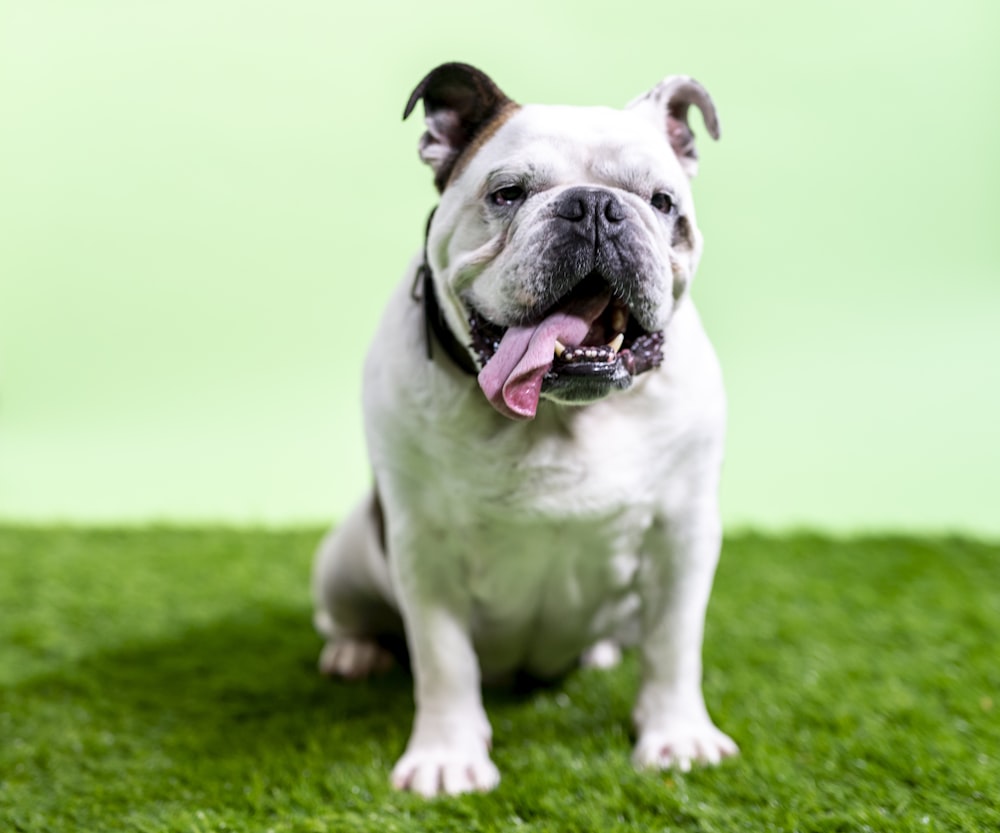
[
  {"x": 486, "y": 132},
  {"x": 683, "y": 236}
]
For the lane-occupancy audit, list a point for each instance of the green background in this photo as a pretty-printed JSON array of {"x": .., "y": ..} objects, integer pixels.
[{"x": 204, "y": 204}]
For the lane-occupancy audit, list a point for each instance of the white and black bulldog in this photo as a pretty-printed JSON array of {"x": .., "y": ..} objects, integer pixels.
[{"x": 545, "y": 420}]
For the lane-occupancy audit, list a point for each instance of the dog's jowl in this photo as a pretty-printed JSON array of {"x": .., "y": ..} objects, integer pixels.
[{"x": 545, "y": 420}]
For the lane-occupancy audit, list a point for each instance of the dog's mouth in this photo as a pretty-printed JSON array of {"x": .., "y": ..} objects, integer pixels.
[{"x": 585, "y": 345}]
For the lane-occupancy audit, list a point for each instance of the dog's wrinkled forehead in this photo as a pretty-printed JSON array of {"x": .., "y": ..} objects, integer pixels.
[{"x": 557, "y": 145}]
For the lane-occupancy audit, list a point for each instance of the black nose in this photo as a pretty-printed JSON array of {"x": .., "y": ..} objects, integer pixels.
[
  {"x": 594, "y": 230},
  {"x": 586, "y": 205}
]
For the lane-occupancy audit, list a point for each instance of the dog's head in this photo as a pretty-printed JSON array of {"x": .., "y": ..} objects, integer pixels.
[{"x": 565, "y": 236}]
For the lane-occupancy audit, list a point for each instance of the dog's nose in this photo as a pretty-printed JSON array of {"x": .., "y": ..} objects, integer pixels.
[{"x": 582, "y": 205}]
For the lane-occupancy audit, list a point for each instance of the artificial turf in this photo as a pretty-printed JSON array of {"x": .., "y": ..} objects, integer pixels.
[{"x": 163, "y": 680}]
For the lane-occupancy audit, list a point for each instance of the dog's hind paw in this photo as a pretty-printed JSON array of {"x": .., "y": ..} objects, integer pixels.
[
  {"x": 604, "y": 654},
  {"x": 354, "y": 658},
  {"x": 682, "y": 746}
]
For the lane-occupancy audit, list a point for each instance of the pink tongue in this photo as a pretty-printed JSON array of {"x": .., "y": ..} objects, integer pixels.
[{"x": 512, "y": 379}]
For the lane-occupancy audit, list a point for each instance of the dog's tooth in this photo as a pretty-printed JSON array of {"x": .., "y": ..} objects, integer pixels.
[
  {"x": 616, "y": 343},
  {"x": 560, "y": 348},
  {"x": 619, "y": 319}
]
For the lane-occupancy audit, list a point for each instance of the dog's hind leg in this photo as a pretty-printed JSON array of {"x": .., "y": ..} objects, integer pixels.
[
  {"x": 353, "y": 595},
  {"x": 602, "y": 655}
]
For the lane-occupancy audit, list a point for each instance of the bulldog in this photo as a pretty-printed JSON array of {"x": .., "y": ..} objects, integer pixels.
[{"x": 545, "y": 419}]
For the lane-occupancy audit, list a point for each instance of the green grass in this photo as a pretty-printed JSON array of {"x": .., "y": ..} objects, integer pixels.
[{"x": 163, "y": 680}]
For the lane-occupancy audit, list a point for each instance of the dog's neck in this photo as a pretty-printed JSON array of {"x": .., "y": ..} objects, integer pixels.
[{"x": 435, "y": 327}]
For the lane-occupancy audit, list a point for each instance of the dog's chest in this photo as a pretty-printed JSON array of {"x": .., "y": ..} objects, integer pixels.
[
  {"x": 543, "y": 590},
  {"x": 545, "y": 525}
]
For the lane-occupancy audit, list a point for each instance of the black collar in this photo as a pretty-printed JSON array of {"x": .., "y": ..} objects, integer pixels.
[{"x": 435, "y": 327}]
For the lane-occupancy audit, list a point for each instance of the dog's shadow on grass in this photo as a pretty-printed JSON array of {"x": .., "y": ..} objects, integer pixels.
[
  {"x": 240, "y": 689},
  {"x": 239, "y": 686}
]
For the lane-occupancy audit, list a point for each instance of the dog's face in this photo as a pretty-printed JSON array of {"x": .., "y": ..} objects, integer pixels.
[{"x": 565, "y": 236}]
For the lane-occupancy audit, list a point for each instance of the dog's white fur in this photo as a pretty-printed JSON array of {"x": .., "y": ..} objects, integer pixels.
[{"x": 526, "y": 545}]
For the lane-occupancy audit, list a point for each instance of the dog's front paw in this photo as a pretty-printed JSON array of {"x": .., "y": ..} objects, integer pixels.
[
  {"x": 353, "y": 658},
  {"x": 443, "y": 770},
  {"x": 680, "y": 746}
]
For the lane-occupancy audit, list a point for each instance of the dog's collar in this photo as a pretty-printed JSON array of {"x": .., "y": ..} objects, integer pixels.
[{"x": 435, "y": 327}]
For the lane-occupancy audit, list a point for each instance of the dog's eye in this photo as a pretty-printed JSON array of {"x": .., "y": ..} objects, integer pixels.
[
  {"x": 507, "y": 196},
  {"x": 662, "y": 202}
]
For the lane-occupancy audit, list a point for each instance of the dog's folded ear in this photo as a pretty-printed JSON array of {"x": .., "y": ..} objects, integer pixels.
[
  {"x": 668, "y": 104},
  {"x": 459, "y": 102}
]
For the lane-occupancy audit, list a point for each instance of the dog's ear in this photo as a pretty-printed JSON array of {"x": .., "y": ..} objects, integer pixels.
[
  {"x": 459, "y": 101},
  {"x": 668, "y": 104}
]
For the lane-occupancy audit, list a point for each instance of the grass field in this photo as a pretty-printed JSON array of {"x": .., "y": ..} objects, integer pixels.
[{"x": 163, "y": 680}]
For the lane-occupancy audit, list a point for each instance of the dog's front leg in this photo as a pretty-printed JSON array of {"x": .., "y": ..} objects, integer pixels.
[
  {"x": 448, "y": 751},
  {"x": 674, "y": 728}
]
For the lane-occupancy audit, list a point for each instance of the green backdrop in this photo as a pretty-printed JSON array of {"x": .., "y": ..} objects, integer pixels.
[{"x": 204, "y": 203}]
